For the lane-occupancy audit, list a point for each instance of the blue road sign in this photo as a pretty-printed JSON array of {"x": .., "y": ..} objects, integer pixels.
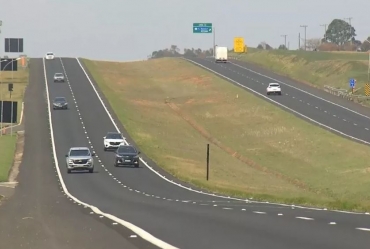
[
  {"x": 352, "y": 83},
  {"x": 202, "y": 28}
]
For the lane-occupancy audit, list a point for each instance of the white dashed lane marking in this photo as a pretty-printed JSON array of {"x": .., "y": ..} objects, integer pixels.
[
  {"x": 245, "y": 202},
  {"x": 293, "y": 97}
]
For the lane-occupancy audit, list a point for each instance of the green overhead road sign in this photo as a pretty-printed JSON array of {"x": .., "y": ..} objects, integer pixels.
[{"x": 202, "y": 28}]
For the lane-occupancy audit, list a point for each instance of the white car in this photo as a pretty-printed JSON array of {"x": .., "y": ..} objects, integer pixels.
[
  {"x": 113, "y": 140},
  {"x": 49, "y": 56},
  {"x": 273, "y": 88}
]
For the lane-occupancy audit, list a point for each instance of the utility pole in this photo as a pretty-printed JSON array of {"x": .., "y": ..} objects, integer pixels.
[
  {"x": 305, "y": 36},
  {"x": 284, "y": 40},
  {"x": 324, "y": 25},
  {"x": 350, "y": 27}
]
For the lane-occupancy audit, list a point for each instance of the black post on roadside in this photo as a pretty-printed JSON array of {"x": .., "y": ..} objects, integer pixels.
[{"x": 207, "y": 162}]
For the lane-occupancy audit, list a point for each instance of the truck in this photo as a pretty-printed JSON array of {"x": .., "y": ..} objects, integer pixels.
[{"x": 221, "y": 54}]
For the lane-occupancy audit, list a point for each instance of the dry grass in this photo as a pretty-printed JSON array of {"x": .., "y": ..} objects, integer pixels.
[
  {"x": 316, "y": 68},
  {"x": 173, "y": 109}
]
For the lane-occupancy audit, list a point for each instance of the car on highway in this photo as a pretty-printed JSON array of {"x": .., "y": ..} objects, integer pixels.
[
  {"x": 127, "y": 155},
  {"x": 49, "y": 56},
  {"x": 273, "y": 88},
  {"x": 80, "y": 158},
  {"x": 113, "y": 140},
  {"x": 58, "y": 77},
  {"x": 60, "y": 103}
]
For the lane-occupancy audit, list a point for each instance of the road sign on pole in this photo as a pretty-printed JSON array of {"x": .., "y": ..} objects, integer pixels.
[
  {"x": 202, "y": 28},
  {"x": 239, "y": 45},
  {"x": 352, "y": 83}
]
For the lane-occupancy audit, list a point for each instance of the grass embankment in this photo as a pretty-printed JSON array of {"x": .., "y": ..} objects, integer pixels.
[
  {"x": 7, "y": 142},
  {"x": 316, "y": 68},
  {"x": 173, "y": 109}
]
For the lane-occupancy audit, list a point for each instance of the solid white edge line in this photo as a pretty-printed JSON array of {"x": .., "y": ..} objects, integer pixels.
[
  {"x": 143, "y": 234},
  {"x": 296, "y": 88},
  {"x": 289, "y": 109},
  {"x": 363, "y": 229},
  {"x": 193, "y": 190}
]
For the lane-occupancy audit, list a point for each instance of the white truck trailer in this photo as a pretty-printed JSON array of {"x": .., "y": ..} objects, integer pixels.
[{"x": 221, "y": 54}]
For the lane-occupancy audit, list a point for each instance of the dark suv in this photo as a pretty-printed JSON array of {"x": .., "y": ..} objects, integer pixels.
[{"x": 127, "y": 155}]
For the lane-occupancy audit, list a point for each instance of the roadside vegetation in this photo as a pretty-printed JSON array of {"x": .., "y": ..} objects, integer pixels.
[
  {"x": 314, "y": 67},
  {"x": 8, "y": 142},
  {"x": 172, "y": 109}
]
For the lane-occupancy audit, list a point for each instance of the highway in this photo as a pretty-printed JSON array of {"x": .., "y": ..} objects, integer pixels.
[
  {"x": 330, "y": 112},
  {"x": 180, "y": 217},
  {"x": 39, "y": 215}
]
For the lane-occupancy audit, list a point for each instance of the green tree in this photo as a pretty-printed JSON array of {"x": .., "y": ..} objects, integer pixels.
[
  {"x": 282, "y": 46},
  {"x": 340, "y": 32}
]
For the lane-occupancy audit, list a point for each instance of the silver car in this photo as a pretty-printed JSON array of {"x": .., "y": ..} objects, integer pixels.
[
  {"x": 58, "y": 77},
  {"x": 80, "y": 158}
]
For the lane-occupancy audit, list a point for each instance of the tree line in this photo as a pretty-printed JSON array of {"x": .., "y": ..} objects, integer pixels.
[
  {"x": 175, "y": 51},
  {"x": 339, "y": 36}
]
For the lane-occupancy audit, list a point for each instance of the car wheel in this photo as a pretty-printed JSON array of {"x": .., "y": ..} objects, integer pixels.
[
  {"x": 115, "y": 165},
  {"x": 268, "y": 93},
  {"x": 137, "y": 166},
  {"x": 91, "y": 170},
  {"x": 69, "y": 171},
  {"x": 105, "y": 149}
]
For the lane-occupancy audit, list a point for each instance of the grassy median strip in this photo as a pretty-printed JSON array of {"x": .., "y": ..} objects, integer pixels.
[
  {"x": 7, "y": 142},
  {"x": 317, "y": 68},
  {"x": 173, "y": 109}
]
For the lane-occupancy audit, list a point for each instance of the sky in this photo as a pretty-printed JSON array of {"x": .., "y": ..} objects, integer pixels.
[{"x": 124, "y": 30}]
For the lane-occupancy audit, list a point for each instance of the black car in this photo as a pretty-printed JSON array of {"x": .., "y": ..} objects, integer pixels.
[
  {"x": 60, "y": 103},
  {"x": 127, "y": 155}
]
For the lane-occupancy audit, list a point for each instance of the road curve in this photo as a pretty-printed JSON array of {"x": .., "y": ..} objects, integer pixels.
[
  {"x": 330, "y": 112},
  {"x": 182, "y": 218},
  {"x": 39, "y": 215}
]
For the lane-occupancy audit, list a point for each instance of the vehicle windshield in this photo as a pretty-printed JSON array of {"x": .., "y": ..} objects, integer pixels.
[
  {"x": 114, "y": 136},
  {"x": 58, "y": 74},
  {"x": 275, "y": 85},
  {"x": 126, "y": 149},
  {"x": 49, "y": 53},
  {"x": 60, "y": 99},
  {"x": 79, "y": 153}
]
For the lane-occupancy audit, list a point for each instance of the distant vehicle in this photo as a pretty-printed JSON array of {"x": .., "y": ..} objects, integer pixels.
[
  {"x": 221, "y": 54},
  {"x": 60, "y": 103},
  {"x": 273, "y": 88},
  {"x": 58, "y": 77},
  {"x": 127, "y": 155},
  {"x": 113, "y": 140},
  {"x": 80, "y": 158},
  {"x": 49, "y": 56}
]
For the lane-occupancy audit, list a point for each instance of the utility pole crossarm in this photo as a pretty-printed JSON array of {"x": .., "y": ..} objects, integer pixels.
[
  {"x": 305, "y": 36},
  {"x": 284, "y": 39}
]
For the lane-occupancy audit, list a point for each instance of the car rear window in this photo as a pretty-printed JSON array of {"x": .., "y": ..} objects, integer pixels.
[
  {"x": 274, "y": 85},
  {"x": 79, "y": 153},
  {"x": 126, "y": 149}
]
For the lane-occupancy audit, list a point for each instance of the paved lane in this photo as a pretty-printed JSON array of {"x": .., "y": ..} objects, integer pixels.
[
  {"x": 177, "y": 216},
  {"x": 39, "y": 215},
  {"x": 349, "y": 119}
]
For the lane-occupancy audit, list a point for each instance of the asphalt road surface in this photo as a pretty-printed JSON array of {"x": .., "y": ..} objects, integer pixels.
[
  {"x": 39, "y": 215},
  {"x": 345, "y": 117},
  {"x": 180, "y": 217}
]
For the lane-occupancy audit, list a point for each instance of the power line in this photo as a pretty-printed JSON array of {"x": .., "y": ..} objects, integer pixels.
[
  {"x": 324, "y": 25},
  {"x": 284, "y": 39},
  {"x": 305, "y": 36}
]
